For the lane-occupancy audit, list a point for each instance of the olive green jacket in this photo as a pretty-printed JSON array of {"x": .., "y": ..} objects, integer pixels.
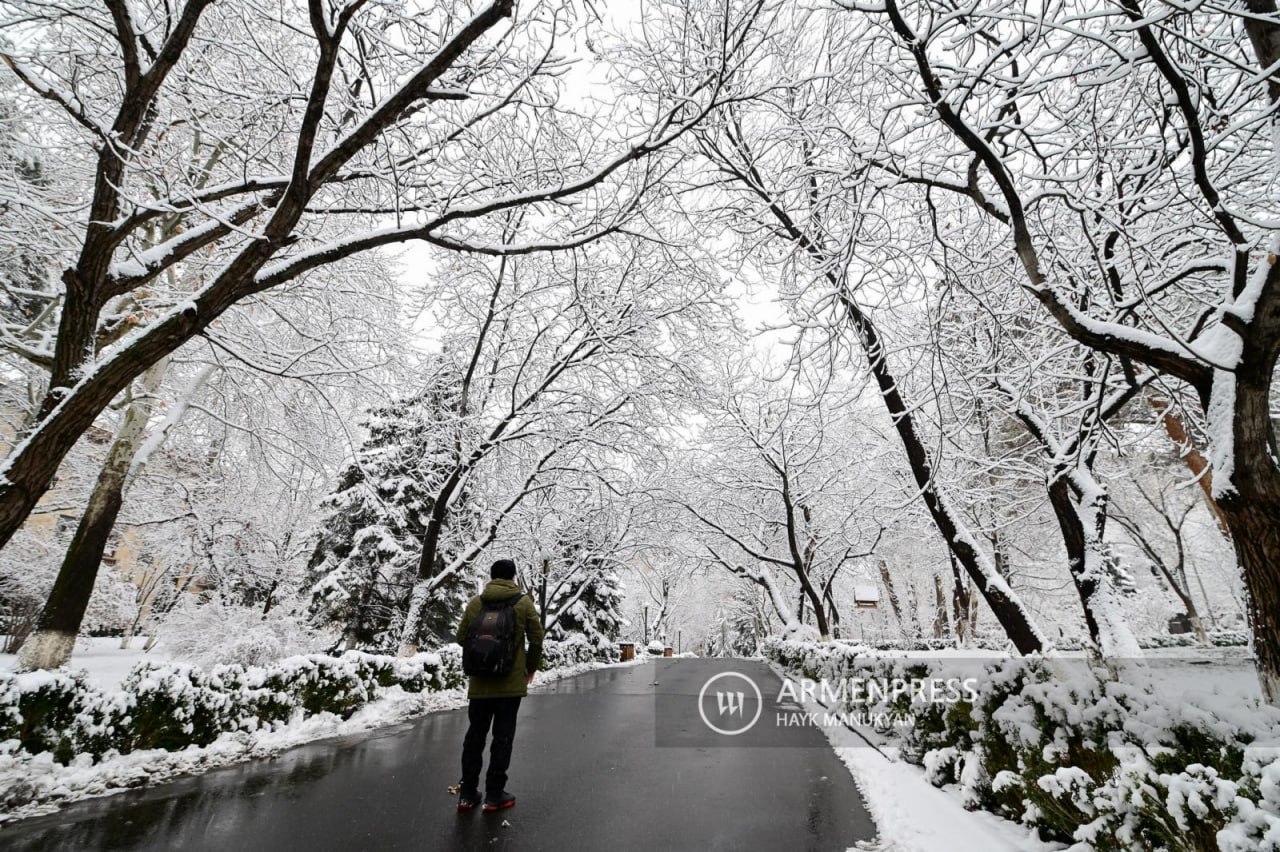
[{"x": 528, "y": 626}]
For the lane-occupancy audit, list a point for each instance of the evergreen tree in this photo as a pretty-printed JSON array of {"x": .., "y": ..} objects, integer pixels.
[
  {"x": 588, "y": 604},
  {"x": 25, "y": 288},
  {"x": 362, "y": 570},
  {"x": 744, "y": 623}
]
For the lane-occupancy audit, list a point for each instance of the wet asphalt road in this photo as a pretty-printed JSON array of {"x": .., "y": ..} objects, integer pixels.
[{"x": 599, "y": 764}]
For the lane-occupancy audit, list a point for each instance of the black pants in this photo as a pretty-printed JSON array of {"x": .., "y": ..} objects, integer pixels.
[{"x": 501, "y": 712}]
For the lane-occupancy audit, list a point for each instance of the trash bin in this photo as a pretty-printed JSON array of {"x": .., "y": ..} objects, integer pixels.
[{"x": 628, "y": 651}]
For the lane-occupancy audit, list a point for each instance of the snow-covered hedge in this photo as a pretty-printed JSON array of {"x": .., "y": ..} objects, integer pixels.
[
  {"x": 572, "y": 651},
  {"x": 174, "y": 705},
  {"x": 1085, "y": 760}
]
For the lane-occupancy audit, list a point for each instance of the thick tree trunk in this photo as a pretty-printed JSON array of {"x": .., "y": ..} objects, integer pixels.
[
  {"x": 1255, "y": 529},
  {"x": 26, "y": 474},
  {"x": 52, "y": 643},
  {"x": 819, "y": 613},
  {"x": 1265, "y": 37},
  {"x": 833, "y": 612},
  {"x": 810, "y": 594},
  {"x": 1073, "y": 538}
]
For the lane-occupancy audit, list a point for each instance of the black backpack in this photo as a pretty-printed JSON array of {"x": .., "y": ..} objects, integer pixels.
[{"x": 490, "y": 649}]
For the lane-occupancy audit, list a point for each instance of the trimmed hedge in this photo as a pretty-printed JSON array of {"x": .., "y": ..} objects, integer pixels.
[
  {"x": 574, "y": 651},
  {"x": 173, "y": 705},
  {"x": 1081, "y": 758}
]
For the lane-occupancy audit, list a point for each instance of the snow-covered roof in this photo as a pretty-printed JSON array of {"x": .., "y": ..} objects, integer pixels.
[{"x": 866, "y": 593}]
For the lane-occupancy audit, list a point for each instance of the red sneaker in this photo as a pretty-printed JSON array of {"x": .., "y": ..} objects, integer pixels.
[{"x": 499, "y": 802}]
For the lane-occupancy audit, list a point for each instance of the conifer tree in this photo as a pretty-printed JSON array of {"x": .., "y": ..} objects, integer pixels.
[{"x": 362, "y": 570}]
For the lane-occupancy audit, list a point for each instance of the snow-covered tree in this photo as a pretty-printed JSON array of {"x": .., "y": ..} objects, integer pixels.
[
  {"x": 742, "y": 624},
  {"x": 1125, "y": 180},
  {"x": 557, "y": 360},
  {"x": 212, "y": 171},
  {"x": 371, "y": 537},
  {"x": 590, "y": 606},
  {"x": 778, "y": 489},
  {"x": 783, "y": 161}
]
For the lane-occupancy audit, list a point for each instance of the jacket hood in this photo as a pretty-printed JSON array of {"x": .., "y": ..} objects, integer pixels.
[{"x": 500, "y": 590}]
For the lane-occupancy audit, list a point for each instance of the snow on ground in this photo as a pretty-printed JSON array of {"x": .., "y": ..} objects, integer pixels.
[
  {"x": 1222, "y": 676},
  {"x": 102, "y": 659},
  {"x": 914, "y": 816},
  {"x": 54, "y": 785}
]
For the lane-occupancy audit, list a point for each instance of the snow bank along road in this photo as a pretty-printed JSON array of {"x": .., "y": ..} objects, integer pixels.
[{"x": 587, "y": 773}]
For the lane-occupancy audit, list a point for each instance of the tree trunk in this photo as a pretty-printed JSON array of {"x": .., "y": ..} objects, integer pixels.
[
  {"x": 819, "y": 613},
  {"x": 1082, "y": 527},
  {"x": 542, "y": 595},
  {"x": 52, "y": 643},
  {"x": 1183, "y": 592},
  {"x": 941, "y": 626},
  {"x": 833, "y": 612},
  {"x": 913, "y": 612},
  {"x": 1255, "y": 529},
  {"x": 1265, "y": 37},
  {"x": 961, "y": 605},
  {"x": 25, "y": 476},
  {"x": 74, "y": 344},
  {"x": 894, "y": 603}
]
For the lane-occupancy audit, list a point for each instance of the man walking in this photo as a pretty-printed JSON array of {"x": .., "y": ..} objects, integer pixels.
[{"x": 492, "y": 635}]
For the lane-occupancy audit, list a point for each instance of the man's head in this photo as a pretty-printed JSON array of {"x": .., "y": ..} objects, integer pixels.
[{"x": 503, "y": 569}]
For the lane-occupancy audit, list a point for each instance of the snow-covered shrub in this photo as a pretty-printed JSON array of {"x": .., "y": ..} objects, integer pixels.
[
  {"x": 323, "y": 684},
  {"x": 47, "y": 705},
  {"x": 430, "y": 672},
  {"x": 818, "y": 660},
  {"x": 1229, "y": 639},
  {"x": 212, "y": 632},
  {"x": 105, "y": 723},
  {"x": 1217, "y": 639},
  {"x": 571, "y": 651},
  {"x": 175, "y": 705},
  {"x": 1256, "y": 824},
  {"x": 10, "y": 717},
  {"x": 450, "y": 657}
]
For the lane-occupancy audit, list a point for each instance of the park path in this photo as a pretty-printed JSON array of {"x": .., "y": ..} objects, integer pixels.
[{"x": 600, "y": 764}]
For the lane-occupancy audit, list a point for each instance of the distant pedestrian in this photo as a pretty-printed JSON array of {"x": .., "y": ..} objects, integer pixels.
[{"x": 492, "y": 635}]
